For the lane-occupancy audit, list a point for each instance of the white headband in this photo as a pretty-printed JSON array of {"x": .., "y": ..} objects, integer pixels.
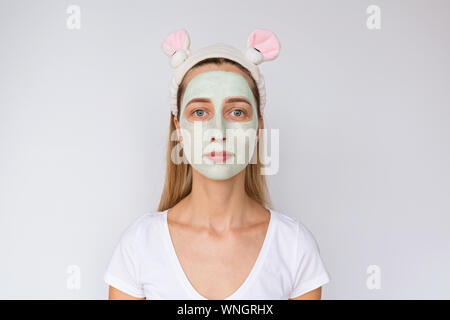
[{"x": 262, "y": 45}]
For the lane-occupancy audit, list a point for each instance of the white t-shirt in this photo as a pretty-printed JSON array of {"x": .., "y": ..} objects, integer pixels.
[{"x": 145, "y": 264}]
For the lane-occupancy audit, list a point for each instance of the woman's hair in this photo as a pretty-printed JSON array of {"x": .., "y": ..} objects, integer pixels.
[{"x": 178, "y": 182}]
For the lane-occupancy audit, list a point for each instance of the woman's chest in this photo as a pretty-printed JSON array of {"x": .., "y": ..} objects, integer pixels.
[
  {"x": 198, "y": 269},
  {"x": 162, "y": 279},
  {"x": 218, "y": 268}
]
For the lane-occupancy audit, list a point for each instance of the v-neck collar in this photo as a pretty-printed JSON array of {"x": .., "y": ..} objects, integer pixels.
[{"x": 253, "y": 272}]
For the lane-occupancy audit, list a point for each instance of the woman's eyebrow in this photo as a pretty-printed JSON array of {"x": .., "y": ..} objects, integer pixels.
[
  {"x": 237, "y": 99},
  {"x": 207, "y": 100}
]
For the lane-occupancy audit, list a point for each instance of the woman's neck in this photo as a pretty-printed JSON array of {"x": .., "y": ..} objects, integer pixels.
[{"x": 221, "y": 204}]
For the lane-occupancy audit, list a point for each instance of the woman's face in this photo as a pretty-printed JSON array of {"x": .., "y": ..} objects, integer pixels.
[{"x": 218, "y": 121}]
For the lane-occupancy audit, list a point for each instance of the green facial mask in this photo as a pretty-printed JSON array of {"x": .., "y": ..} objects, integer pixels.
[{"x": 197, "y": 136}]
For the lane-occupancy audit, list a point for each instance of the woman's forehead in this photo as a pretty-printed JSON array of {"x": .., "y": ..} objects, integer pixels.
[
  {"x": 202, "y": 90},
  {"x": 217, "y": 86},
  {"x": 218, "y": 83}
]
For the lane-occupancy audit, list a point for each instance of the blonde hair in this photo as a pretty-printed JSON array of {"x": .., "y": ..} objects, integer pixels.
[{"x": 178, "y": 182}]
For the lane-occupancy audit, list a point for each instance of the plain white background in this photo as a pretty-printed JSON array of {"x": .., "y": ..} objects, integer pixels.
[{"x": 363, "y": 118}]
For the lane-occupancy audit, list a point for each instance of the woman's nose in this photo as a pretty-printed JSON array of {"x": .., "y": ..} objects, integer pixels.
[
  {"x": 213, "y": 139},
  {"x": 219, "y": 132}
]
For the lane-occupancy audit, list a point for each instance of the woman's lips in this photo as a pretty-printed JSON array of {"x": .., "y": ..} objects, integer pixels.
[{"x": 219, "y": 156}]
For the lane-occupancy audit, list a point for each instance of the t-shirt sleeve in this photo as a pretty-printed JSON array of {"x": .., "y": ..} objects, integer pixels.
[
  {"x": 123, "y": 270},
  {"x": 310, "y": 272}
]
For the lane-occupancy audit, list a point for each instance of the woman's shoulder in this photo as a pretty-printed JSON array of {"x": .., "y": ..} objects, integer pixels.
[
  {"x": 287, "y": 223},
  {"x": 294, "y": 230},
  {"x": 148, "y": 223}
]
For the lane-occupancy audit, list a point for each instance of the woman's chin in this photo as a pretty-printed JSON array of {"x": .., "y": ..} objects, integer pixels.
[{"x": 219, "y": 171}]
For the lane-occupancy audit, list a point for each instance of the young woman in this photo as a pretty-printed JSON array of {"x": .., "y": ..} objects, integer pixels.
[{"x": 215, "y": 235}]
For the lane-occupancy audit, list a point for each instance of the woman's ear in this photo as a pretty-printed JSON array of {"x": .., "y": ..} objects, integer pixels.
[
  {"x": 260, "y": 124},
  {"x": 177, "y": 126}
]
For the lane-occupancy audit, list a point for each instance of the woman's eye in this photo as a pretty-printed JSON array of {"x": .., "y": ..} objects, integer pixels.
[
  {"x": 199, "y": 113},
  {"x": 237, "y": 113}
]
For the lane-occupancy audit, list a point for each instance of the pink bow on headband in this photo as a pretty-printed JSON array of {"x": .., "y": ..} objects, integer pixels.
[{"x": 262, "y": 45}]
